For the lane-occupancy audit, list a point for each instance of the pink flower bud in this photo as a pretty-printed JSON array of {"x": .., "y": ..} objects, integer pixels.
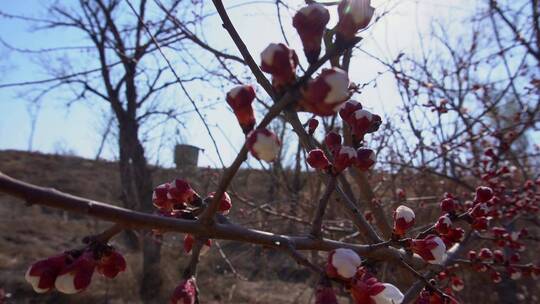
[
  {"x": 431, "y": 249},
  {"x": 514, "y": 273},
  {"x": 480, "y": 210},
  {"x": 363, "y": 122},
  {"x": 333, "y": 141},
  {"x": 324, "y": 95},
  {"x": 160, "y": 197},
  {"x": 181, "y": 192},
  {"x": 317, "y": 159},
  {"x": 472, "y": 255},
  {"x": 480, "y": 223},
  {"x": 498, "y": 256},
  {"x": 448, "y": 205},
  {"x": 485, "y": 254},
  {"x": 312, "y": 126},
  {"x": 189, "y": 240},
  {"x": 110, "y": 264},
  {"x": 240, "y": 99},
  {"x": 263, "y": 144},
  {"x": 368, "y": 290},
  {"x": 279, "y": 61},
  {"x": 457, "y": 283},
  {"x": 185, "y": 292},
  {"x": 348, "y": 108},
  {"x": 342, "y": 263},
  {"x": 483, "y": 194},
  {"x": 345, "y": 157},
  {"x": 310, "y": 23},
  {"x": 354, "y": 15},
  {"x": 443, "y": 225},
  {"x": 496, "y": 277},
  {"x": 77, "y": 276},
  {"x": 365, "y": 159},
  {"x": 403, "y": 220},
  {"x": 42, "y": 274},
  {"x": 225, "y": 204}
]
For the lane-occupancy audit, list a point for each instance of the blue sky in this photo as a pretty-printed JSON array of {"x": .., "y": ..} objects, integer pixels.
[{"x": 77, "y": 128}]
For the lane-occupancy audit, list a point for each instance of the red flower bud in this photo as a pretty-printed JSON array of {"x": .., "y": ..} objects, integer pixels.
[
  {"x": 317, "y": 159},
  {"x": 160, "y": 197},
  {"x": 403, "y": 220},
  {"x": 326, "y": 93},
  {"x": 448, "y": 205},
  {"x": 457, "y": 283},
  {"x": 472, "y": 255},
  {"x": 496, "y": 277},
  {"x": 279, "y": 61},
  {"x": 240, "y": 99},
  {"x": 333, "y": 141},
  {"x": 185, "y": 292},
  {"x": 77, "y": 276},
  {"x": 498, "y": 256},
  {"x": 263, "y": 144},
  {"x": 312, "y": 126},
  {"x": 432, "y": 249},
  {"x": 363, "y": 122},
  {"x": 443, "y": 225},
  {"x": 181, "y": 192},
  {"x": 348, "y": 108},
  {"x": 354, "y": 15},
  {"x": 365, "y": 159},
  {"x": 344, "y": 157},
  {"x": 310, "y": 23},
  {"x": 42, "y": 274},
  {"x": 483, "y": 194},
  {"x": 368, "y": 289},
  {"x": 480, "y": 223},
  {"x": 486, "y": 254},
  {"x": 514, "y": 273},
  {"x": 110, "y": 264},
  {"x": 225, "y": 204}
]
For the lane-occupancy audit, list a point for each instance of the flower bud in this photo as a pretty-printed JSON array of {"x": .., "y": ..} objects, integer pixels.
[
  {"x": 310, "y": 23},
  {"x": 317, "y": 159},
  {"x": 225, "y": 204},
  {"x": 110, "y": 264},
  {"x": 485, "y": 254},
  {"x": 496, "y": 277},
  {"x": 263, "y": 144},
  {"x": 368, "y": 289},
  {"x": 333, "y": 141},
  {"x": 483, "y": 194},
  {"x": 181, "y": 192},
  {"x": 354, "y": 15},
  {"x": 160, "y": 197},
  {"x": 348, "y": 108},
  {"x": 431, "y": 249},
  {"x": 42, "y": 274},
  {"x": 312, "y": 126},
  {"x": 77, "y": 276},
  {"x": 403, "y": 220},
  {"x": 363, "y": 122},
  {"x": 457, "y": 283},
  {"x": 498, "y": 256},
  {"x": 514, "y": 273},
  {"x": 345, "y": 157},
  {"x": 240, "y": 99},
  {"x": 443, "y": 225},
  {"x": 185, "y": 292},
  {"x": 342, "y": 263},
  {"x": 480, "y": 223},
  {"x": 324, "y": 95},
  {"x": 448, "y": 205},
  {"x": 365, "y": 159},
  {"x": 279, "y": 61}
]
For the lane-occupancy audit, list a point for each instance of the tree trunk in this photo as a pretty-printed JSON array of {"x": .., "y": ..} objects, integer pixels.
[{"x": 136, "y": 180}]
